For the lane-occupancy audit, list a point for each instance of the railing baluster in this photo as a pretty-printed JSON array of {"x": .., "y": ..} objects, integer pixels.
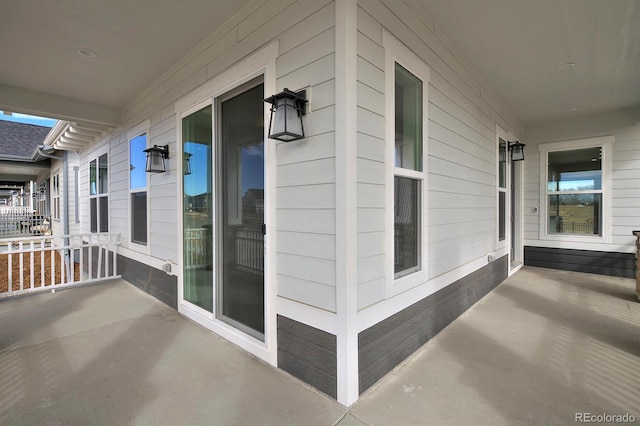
[
  {"x": 32, "y": 255},
  {"x": 21, "y": 267},
  {"x": 10, "y": 263},
  {"x": 72, "y": 261},
  {"x": 42, "y": 263},
  {"x": 115, "y": 261},
  {"x": 52, "y": 267},
  {"x": 90, "y": 250}
]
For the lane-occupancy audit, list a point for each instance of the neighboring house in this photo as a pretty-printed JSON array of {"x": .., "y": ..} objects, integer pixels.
[
  {"x": 36, "y": 175},
  {"x": 21, "y": 166},
  {"x": 398, "y": 210}
]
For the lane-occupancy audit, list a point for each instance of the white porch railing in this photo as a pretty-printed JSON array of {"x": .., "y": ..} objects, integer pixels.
[
  {"x": 21, "y": 221},
  {"x": 248, "y": 248},
  {"x": 15, "y": 209},
  {"x": 196, "y": 253},
  {"x": 47, "y": 262}
]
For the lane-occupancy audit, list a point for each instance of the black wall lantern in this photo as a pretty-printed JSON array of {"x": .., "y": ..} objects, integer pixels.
[
  {"x": 287, "y": 109},
  {"x": 517, "y": 150},
  {"x": 186, "y": 163},
  {"x": 155, "y": 158}
]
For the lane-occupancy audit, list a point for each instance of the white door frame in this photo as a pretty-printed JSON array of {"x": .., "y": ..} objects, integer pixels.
[
  {"x": 263, "y": 63},
  {"x": 513, "y": 186}
]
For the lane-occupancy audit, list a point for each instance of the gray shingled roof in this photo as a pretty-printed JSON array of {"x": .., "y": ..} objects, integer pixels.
[{"x": 20, "y": 140}]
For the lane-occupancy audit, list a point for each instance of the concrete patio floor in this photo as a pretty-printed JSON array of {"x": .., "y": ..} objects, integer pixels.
[{"x": 543, "y": 346}]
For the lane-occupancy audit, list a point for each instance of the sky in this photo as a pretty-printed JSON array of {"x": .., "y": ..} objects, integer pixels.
[{"x": 28, "y": 119}]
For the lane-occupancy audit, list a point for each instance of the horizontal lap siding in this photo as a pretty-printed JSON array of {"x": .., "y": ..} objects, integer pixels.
[
  {"x": 119, "y": 187},
  {"x": 309, "y": 354},
  {"x": 593, "y": 262},
  {"x": 461, "y": 147},
  {"x": 625, "y": 176},
  {"x": 371, "y": 196},
  {"x": 383, "y": 346},
  {"x": 305, "y": 169}
]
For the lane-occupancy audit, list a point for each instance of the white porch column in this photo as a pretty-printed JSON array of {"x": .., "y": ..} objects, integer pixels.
[{"x": 346, "y": 201}]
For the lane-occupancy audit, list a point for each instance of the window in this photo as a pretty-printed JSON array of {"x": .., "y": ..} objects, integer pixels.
[
  {"x": 407, "y": 80},
  {"x": 575, "y": 188},
  {"x": 574, "y": 191},
  {"x": 41, "y": 198},
  {"x": 55, "y": 193},
  {"x": 138, "y": 186},
  {"x": 408, "y": 158},
  {"x": 503, "y": 157},
  {"x": 99, "y": 194}
]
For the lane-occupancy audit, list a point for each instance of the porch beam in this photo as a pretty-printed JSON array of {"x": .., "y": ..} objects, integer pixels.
[
  {"x": 25, "y": 164},
  {"x": 18, "y": 99}
]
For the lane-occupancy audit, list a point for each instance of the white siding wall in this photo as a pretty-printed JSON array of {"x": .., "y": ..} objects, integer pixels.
[
  {"x": 305, "y": 199},
  {"x": 73, "y": 160},
  {"x": 624, "y": 125},
  {"x": 305, "y": 170},
  {"x": 463, "y": 114},
  {"x": 86, "y": 156},
  {"x": 57, "y": 226}
]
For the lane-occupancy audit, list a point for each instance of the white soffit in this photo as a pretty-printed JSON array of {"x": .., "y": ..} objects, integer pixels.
[
  {"x": 45, "y": 44},
  {"x": 520, "y": 47}
]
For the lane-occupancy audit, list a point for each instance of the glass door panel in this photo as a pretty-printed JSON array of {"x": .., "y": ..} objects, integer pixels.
[
  {"x": 241, "y": 192},
  {"x": 198, "y": 209}
]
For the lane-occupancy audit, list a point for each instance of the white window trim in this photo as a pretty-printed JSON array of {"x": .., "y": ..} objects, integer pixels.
[
  {"x": 501, "y": 246},
  {"x": 96, "y": 156},
  {"x": 136, "y": 131},
  {"x": 262, "y": 62},
  {"x": 606, "y": 142},
  {"x": 396, "y": 52},
  {"x": 55, "y": 196}
]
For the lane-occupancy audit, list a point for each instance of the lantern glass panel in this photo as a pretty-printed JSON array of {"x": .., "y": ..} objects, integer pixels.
[
  {"x": 155, "y": 162},
  {"x": 517, "y": 153},
  {"x": 294, "y": 124},
  {"x": 279, "y": 117}
]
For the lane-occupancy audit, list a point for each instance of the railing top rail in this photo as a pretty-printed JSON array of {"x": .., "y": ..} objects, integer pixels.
[{"x": 106, "y": 236}]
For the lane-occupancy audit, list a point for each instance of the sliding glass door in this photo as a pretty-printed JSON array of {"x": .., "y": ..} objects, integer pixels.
[
  {"x": 198, "y": 208},
  {"x": 241, "y": 209},
  {"x": 223, "y": 211}
]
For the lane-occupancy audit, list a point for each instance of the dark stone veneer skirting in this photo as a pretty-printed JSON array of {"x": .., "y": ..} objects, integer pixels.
[
  {"x": 308, "y": 354},
  {"x": 386, "y": 344},
  {"x": 157, "y": 283},
  {"x": 593, "y": 262}
]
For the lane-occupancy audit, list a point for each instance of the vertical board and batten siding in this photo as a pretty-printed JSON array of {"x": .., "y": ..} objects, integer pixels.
[
  {"x": 625, "y": 199},
  {"x": 461, "y": 147}
]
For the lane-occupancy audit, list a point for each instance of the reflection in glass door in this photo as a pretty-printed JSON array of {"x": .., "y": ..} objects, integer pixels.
[
  {"x": 240, "y": 196},
  {"x": 198, "y": 209}
]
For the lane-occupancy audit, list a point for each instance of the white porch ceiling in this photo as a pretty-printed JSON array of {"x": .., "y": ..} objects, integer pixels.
[
  {"x": 516, "y": 45},
  {"x": 134, "y": 42}
]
